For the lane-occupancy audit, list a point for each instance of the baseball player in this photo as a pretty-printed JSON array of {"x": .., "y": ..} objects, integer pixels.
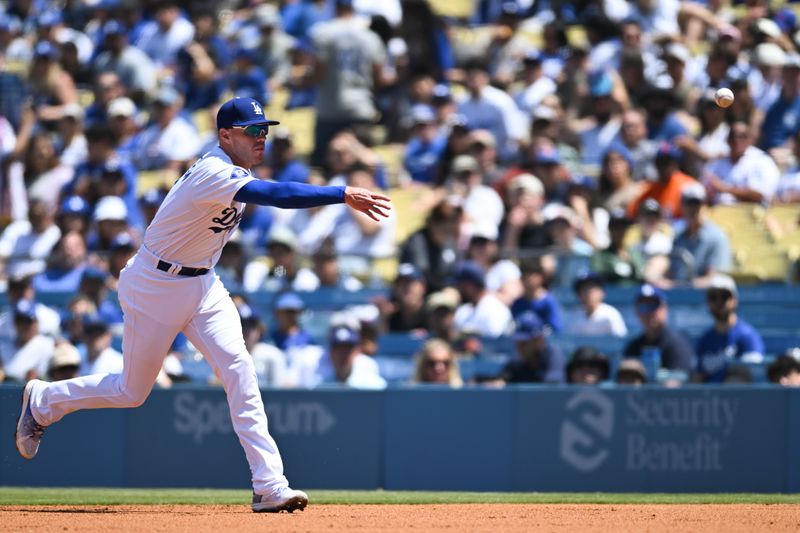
[{"x": 170, "y": 286}]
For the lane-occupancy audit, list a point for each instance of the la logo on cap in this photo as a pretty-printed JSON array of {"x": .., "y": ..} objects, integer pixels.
[{"x": 257, "y": 108}]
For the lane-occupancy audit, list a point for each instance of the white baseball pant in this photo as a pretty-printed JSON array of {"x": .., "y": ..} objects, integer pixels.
[{"x": 157, "y": 305}]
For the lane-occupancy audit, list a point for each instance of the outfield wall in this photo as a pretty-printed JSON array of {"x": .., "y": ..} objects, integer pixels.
[{"x": 703, "y": 439}]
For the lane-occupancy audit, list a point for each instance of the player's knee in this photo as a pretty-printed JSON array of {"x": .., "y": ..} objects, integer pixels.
[{"x": 134, "y": 397}]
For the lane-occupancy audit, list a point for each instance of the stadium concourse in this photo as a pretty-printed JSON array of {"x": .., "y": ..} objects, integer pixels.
[{"x": 571, "y": 205}]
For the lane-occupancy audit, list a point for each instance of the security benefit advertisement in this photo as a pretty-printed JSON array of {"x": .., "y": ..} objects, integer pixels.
[{"x": 688, "y": 440}]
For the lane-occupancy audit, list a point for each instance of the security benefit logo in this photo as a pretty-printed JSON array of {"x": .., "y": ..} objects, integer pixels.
[
  {"x": 587, "y": 428},
  {"x": 647, "y": 432}
]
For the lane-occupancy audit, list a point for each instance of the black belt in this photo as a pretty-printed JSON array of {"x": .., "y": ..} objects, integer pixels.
[{"x": 184, "y": 271}]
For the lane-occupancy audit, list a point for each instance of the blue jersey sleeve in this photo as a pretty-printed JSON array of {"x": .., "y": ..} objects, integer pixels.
[{"x": 289, "y": 195}]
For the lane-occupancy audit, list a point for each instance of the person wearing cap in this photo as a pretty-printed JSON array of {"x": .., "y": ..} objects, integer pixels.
[
  {"x": 287, "y": 333},
  {"x": 425, "y": 147},
  {"x": 785, "y": 369},
  {"x": 480, "y": 202},
  {"x": 747, "y": 174},
  {"x": 350, "y": 66},
  {"x": 170, "y": 142},
  {"x": 122, "y": 120},
  {"x": 325, "y": 265},
  {"x": 440, "y": 309},
  {"x": 150, "y": 202},
  {"x": 731, "y": 340},
  {"x": 165, "y": 290},
  {"x": 246, "y": 77},
  {"x": 65, "y": 265},
  {"x": 537, "y": 275},
  {"x": 345, "y": 364},
  {"x": 65, "y": 363},
  {"x": 71, "y": 140},
  {"x": 163, "y": 37},
  {"x": 481, "y": 311},
  {"x": 110, "y": 219},
  {"x": 99, "y": 356},
  {"x": 702, "y": 249},
  {"x": 20, "y": 287},
  {"x": 484, "y": 149},
  {"x": 133, "y": 66},
  {"x": 588, "y": 366},
  {"x": 678, "y": 60},
  {"x": 537, "y": 360},
  {"x": 669, "y": 185},
  {"x": 618, "y": 263},
  {"x": 436, "y": 364},
  {"x": 26, "y": 353},
  {"x": 50, "y": 27},
  {"x": 479, "y": 109},
  {"x": 780, "y": 122},
  {"x": 122, "y": 247},
  {"x": 274, "y": 45},
  {"x": 26, "y": 244},
  {"x": 631, "y": 372},
  {"x": 283, "y": 161},
  {"x": 524, "y": 224},
  {"x": 50, "y": 86},
  {"x": 405, "y": 309},
  {"x": 95, "y": 284},
  {"x": 651, "y": 238},
  {"x": 602, "y": 127},
  {"x": 563, "y": 227},
  {"x": 537, "y": 85},
  {"x": 676, "y": 352},
  {"x": 595, "y": 318},
  {"x": 285, "y": 272},
  {"x": 502, "y": 274},
  {"x": 660, "y": 102},
  {"x": 632, "y": 140}
]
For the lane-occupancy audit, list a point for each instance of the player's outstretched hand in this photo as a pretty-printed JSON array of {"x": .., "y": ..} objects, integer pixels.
[{"x": 368, "y": 202}]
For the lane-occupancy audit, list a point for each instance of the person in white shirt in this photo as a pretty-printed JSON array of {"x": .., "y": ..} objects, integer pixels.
[
  {"x": 20, "y": 287},
  {"x": 596, "y": 317},
  {"x": 344, "y": 363},
  {"x": 748, "y": 174},
  {"x": 163, "y": 37},
  {"x": 27, "y": 355},
  {"x": 480, "y": 202},
  {"x": 26, "y": 244},
  {"x": 482, "y": 312},
  {"x": 99, "y": 357}
]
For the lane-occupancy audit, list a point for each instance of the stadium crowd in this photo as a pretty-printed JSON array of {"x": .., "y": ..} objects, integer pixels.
[{"x": 547, "y": 144}]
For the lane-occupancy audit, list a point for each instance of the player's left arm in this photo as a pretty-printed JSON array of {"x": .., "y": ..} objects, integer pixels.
[{"x": 300, "y": 195}]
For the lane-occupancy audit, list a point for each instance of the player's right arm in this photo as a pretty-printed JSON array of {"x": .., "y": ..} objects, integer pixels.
[{"x": 300, "y": 195}]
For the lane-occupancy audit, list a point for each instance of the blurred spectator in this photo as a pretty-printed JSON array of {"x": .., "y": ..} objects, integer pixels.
[
  {"x": 660, "y": 101},
  {"x": 702, "y": 249},
  {"x": 405, "y": 311},
  {"x": 480, "y": 202},
  {"x": 537, "y": 361},
  {"x": 563, "y": 224},
  {"x": 25, "y": 245},
  {"x": 170, "y": 142},
  {"x": 287, "y": 332},
  {"x": 285, "y": 271},
  {"x": 149, "y": 202},
  {"x": 596, "y": 317},
  {"x": 633, "y": 140},
  {"x": 168, "y": 32},
  {"x": 350, "y": 66},
  {"x": 94, "y": 284},
  {"x": 502, "y": 275},
  {"x": 587, "y": 366},
  {"x": 429, "y": 39},
  {"x": 537, "y": 84},
  {"x": 673, "y": 349},
  {"x": 537, "y": 274},
  {"x": 433, "y": 249},
  {"x": 440, "y": 312},
  {"x": 110, "y": 219},
  {"x": 616, "y": 184},
  {"x": 618, "y": 263},
  {"x": 51, "y": 27},
  {"x": 270, "y": 362},
  {"x": 246, "y": 78},
  {"x": 122, "y": 120},
  {"x": 51, "y": 86},
  {"x": 524, "y": 223},
  {"x": 711, "y": 142},
  {"x": 274, "y": 45},
  {"x": 122, "y": 248},
  {"x": 99, "y": 356},
  {"x": 326, "y": 269},
  {"x": 730, "y": 340},
  {"x": 201, "y": 63},
  {"x": 65, "y": 265},
  {"x": 27, "y": 353},
  {"x": 135, "y": 69},
  {"x": 785, "y": 370},
  {"x": 671, "y": 182},
  {"x": 71, "y": 144},
  {"x": 302, "y": 92},
  {"x": 344, "y": 363},
  {"x": 20, "y": 287},
  {"x": 604, "y": 125},
  {"x": 651, "y": 238},
  {"x": 780, "y": 122},
  {"x": 746, "y": 175},
  {"x": 631, "y": 372},
  {"x": 44, "y": 173},
  {"x": 282, "y": 159},
  {"x": 484, "y": 149},
  {"x": 425, "y": 147},
  {"x": 65, "y": 363},
  {"x": 481, "y": 311},
  {"x": 482, "y": 111},
  {"x": 436, "y": 364},
  {"x": 107, "y": 87}
]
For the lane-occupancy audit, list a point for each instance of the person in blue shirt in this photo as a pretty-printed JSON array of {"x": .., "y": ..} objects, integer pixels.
[
  {"x": 731, "y": 340},
  {"x": 282, "y": 160},
  {"x": 662, "y": 123},
  {"x": 538, "y": 360},
  {"x": 287, "y": 332},
  {"x": 246, "y": 78},
  {"x": 536, "y": 296},
  {"x": 426, "y": 147},
  {"x": 782, "y": 120}
]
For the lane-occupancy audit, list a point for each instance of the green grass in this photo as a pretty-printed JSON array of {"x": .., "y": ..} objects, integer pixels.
[{"x": 98, "y": 496}]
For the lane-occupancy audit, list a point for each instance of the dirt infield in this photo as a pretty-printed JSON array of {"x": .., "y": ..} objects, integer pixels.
[{"x": 494, "y": 518}]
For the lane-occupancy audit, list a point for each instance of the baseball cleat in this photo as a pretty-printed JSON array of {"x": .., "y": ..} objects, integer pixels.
[
  {"x": 285, "y": 499},
  {"x": 29, "y": 431}
]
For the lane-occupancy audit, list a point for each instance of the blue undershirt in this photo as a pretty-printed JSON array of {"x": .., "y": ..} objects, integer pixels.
[{"x": 289, "y": 195}]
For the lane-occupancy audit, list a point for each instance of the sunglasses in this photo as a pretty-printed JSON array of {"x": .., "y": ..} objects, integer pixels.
[
  {"x": 718, "y": 296},
  {"x": 431, "y": 363},
  {"x": 255, "y": 130}
]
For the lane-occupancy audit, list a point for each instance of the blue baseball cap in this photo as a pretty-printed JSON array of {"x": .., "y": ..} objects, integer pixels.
[
  {"x": 123, "y": 241},
  {"x": 75, "y": 205},
  {"x": 649, "y": 298},
  {"x": 94, "y": 273},
  {"x": 289, "y": 301},
  {"x": 114, "y": 27},
  {"x": 422, "y": 114},
  {"x": 152, "y": 197},
  {"x": 48, "y": 18},
  {"x": 600, "y": 84},
  {"x": 587, "y": 278},
  {"x": 547, "y": 155},
  {"x": 25, "y": 309},
  {"x": 247, "y": 313},
  {"x": 242, "y": 111},
  {"x": 408, "y": 270},
  {"x": 344, "y": 335},
  {"x": 441, "y": 92},
  {"x": 669, "y": 150},
  {"x": 45, "y": 49},
  {"x": 528, "y": 326},
  {"x": 472, "y": 272}
]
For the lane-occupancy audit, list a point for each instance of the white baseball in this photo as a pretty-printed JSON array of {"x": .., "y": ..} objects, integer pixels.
[{"x": 724, "y": 97}]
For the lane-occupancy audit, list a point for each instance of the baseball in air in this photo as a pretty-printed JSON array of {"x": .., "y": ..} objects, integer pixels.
[{"x": 724, "y": 97}]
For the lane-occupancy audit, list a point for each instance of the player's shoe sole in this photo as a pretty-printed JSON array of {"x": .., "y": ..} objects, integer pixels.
[
  {"x": 28, "y": 433},
  {"x": 295, "y": 500}
]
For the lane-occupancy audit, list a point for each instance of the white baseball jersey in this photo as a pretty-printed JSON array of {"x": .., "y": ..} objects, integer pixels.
[{"x": 199, "y": 214}]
